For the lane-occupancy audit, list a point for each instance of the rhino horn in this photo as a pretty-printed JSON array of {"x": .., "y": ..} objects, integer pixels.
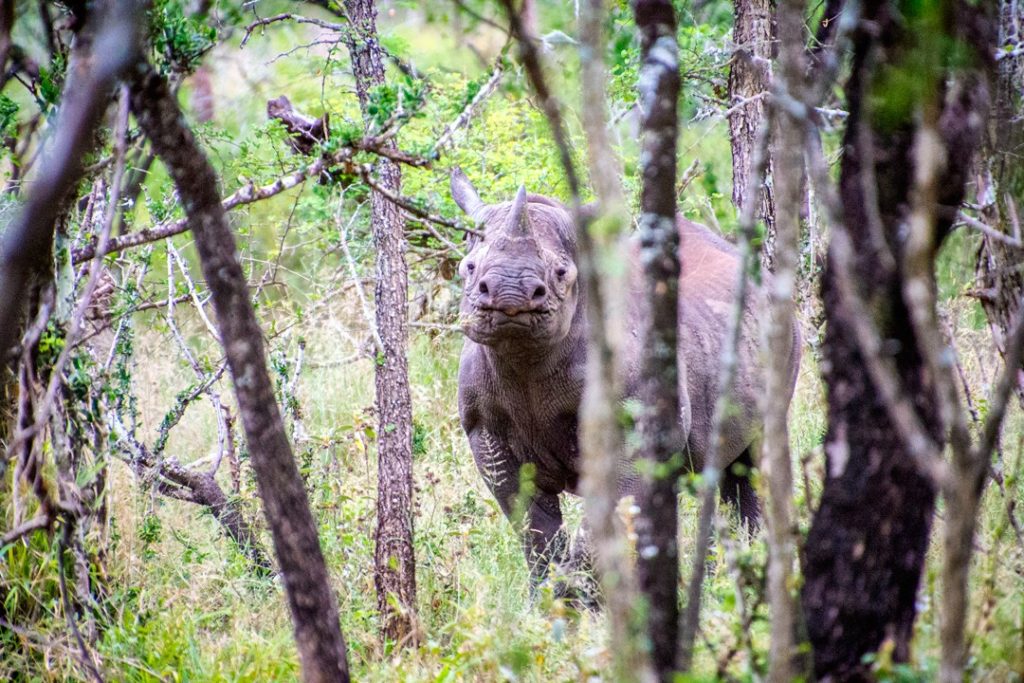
[
  {"x": 465, "y": 194},
  {"x": 519, "y": 217}
]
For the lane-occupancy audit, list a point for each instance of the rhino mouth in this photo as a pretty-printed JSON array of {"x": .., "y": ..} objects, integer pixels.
[{"x": 485, "y": 325}]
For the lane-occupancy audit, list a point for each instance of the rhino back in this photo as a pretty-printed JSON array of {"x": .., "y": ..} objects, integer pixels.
[{"x": 707, "y": 292}]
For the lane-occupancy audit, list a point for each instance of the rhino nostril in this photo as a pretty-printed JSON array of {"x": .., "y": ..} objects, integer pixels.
[
  {"x": 483, "y": 288},
  {"x": 540, "y": 292}
]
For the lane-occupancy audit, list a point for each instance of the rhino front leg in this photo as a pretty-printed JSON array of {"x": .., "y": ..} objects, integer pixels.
[
  {"x": 538, "y": 517},
  {"x": 545, "y": 540}
]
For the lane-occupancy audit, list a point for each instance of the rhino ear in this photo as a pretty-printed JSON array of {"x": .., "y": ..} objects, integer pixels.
[
  {"x": 518, "y": 216},
  {"x": 464, "y": 193}
]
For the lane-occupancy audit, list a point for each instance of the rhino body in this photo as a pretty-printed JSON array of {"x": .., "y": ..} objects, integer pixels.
[{"x": 522, "y": 368}]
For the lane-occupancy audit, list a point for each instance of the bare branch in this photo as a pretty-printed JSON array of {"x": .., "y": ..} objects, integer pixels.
[
  {"x": 287, "y": 16},
  {"x": 35, "y": 524},
  {"x": 602, "y": 440},
  {"x": 726, "y": 375},
  {"x": 366, "y": 173},
  {"x": 989, "y": 231},
  {"x": 463, "y": 119},
  {"x": 1008, "y": 379},
  {"x": 919, "y": 444},
  {"x": 245, "y": 195}
]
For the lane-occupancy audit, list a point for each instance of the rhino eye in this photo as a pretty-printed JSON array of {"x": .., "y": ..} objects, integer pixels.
[{"x": 470, "y": 267}]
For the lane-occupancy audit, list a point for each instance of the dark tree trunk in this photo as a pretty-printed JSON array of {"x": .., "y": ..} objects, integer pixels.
[
  {"x": 314, "y": 611},
  {"x": 1000, "y": 280},
  {"x": 661, "y": 376},
  {"x": 749, "y": 76},
  {"x": 394, "y": 560},
  {"x": 28, "y": 240},
  {"x": 867, "y": 543}
]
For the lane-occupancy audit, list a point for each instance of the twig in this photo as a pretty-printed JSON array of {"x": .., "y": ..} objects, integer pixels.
[
  {"x": 367, "y": 311},
  {"x": 476, "y": 15},
  {"x": 36, "y": 523},
  {"x": 469, "y": 110},
  {"x": 726, "y": 374},
  {"x": 919, "y": 444},
  {"x": 94, "y": 268},
  {"x": 989, "y": 231},
  {"x": 177, "y": 411},
  {"x": 231, "y": 452},
  {"x": 689, "y": 175},
  {"x": 192, "y": 291},
  {"x": 289, "y": 17},
  {"x": 69, "y": 614},
  {"x": 247, "y": 194},
  {"x": 1004, "y": 389},
  {"x": 27, "y": 240},
  {"x": 365, "y": 172}
]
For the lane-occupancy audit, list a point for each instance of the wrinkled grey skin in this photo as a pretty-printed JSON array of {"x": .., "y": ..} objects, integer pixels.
[{"x": 521, "y": 373}]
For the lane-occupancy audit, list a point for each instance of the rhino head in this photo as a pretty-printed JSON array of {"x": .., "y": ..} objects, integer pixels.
[{"x": 520, "y": 290}]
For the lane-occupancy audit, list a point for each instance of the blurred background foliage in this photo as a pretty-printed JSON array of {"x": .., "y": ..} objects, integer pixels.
[{"x": 177, "y": 601}]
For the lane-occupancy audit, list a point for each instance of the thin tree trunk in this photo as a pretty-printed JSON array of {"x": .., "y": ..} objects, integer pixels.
[
  {"x": 394, "y": 558},
  {"x": 866, "y": 547},
  {"x": 601, "y": 435},
  {"x": 304, "y": 572},
  {"x": 661, "y": 435},
  {"x": 776, "y": 465},
  {"x": 749, "y": 78},
  {"x": 1000, "y": 283},
  {"x": 971, "y": 463},
  {"x": 963, "y": 501}
]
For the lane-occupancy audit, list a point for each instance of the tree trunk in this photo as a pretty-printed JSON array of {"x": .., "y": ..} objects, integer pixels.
[
  {"x": 749, "y": 77},
  {"x": 866, "y": 547},
  {"x": 601, "y": 435},
  {"x": 304, "y": 573},
  {"x": 394, "y": 559},
  {"x": 661, "y": 375},
  {"x": 776, "y": 465},
  {"x": 1001, "y": 190},
  {"x": 28, "y": 240}
]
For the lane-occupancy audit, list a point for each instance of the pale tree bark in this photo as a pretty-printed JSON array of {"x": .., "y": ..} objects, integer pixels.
[
  {"x": 394, "y": 558},
  {"x": 749, "y": 79},
  {"x": 866, "y": 547},
  {"x": 661, "y": 376},
  {"x": 601, "y": 435},
  {"x": 711, "y": 474},
  {"x": 303, "y": 570},
  {"x": 776, "y": 464}
]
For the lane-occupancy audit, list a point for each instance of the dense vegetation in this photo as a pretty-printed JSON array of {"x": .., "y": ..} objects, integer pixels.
[{"x": 167, "y": 594}]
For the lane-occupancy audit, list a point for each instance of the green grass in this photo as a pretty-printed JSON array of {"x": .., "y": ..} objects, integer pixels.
[
  {"x": 179, "y": 601},
  {"x": 183, "y": 605}
]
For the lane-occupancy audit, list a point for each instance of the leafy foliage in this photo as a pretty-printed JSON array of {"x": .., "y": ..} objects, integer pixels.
[{"x": 175, "y": 599}]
